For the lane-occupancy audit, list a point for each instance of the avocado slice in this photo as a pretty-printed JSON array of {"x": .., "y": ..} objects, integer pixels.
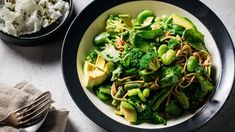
[
  {"x": 182, "y": 21},
  {"x": 88, "y": 69},
  {"x": 128, "y": 111},
  {"x": 96, "y": 74}
]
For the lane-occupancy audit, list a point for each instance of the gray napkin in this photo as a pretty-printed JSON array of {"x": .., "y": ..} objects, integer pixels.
[{"x": 12, "y": 98}]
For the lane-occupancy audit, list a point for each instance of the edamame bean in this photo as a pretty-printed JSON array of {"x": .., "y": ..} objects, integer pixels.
[
  {"x": 146, "y": 92},
  {"x": 168, "y": 57},
  {"x": 143, "y": 15},
  {"x": 191, "y": 64},
  {"x": 127, "y": 105},
  {"x": 162, "y": 50}
]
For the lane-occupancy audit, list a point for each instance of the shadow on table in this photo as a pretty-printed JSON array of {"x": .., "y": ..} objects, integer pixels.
[
  {"x": 49, "y": 52},
  {"x": 70, "y": 127}
]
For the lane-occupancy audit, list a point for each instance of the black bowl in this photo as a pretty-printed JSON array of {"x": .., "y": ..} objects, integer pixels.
[
  {"x": 45, "y": 34},
  {"x": 91, "y": 21}
]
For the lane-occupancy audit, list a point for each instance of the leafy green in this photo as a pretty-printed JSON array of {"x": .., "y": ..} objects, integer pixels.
[
  {"x": 91, "y": 57},
  {"x": 195, "y": 39},
  {"x": 205, "y": 84},
  {"x": 110, "y": 53},
  {"x": 116, "y": 73},
  {"x": 173, "y": 109},
  {"x": 170, "y": 75},
  {"x": 150, "y": 61},
  {"x": 183, "y": 100},
  {"x": 151, "y": 34},
  {"x": 177, "y": 29}
]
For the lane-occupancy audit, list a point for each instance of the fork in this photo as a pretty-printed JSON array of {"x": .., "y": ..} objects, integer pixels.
[{"x": 29, "y": 114}]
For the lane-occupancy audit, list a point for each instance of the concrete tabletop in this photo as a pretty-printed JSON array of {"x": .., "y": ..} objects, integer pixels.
[{"x": 41, "y": 66}]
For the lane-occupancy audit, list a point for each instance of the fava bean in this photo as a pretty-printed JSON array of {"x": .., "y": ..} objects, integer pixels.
[
  {"x": 143, "y": 15},
  {"x": 146, "y": 92},
  {"x": 191, "y": 64},
  {"x": 162, "y": 50},
  {"x": 168, "y": 57}
]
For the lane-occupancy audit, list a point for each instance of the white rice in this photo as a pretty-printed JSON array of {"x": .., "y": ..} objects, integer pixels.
[{"x": 19, "y": 17}]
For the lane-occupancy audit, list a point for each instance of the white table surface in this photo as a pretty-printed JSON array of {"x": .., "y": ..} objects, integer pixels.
[{"x": 41, "y": 66}]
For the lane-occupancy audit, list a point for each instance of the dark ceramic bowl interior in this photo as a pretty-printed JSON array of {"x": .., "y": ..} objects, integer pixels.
[
  {"x": 45, "y": 34},
  {"x": 87, "y": 24}
]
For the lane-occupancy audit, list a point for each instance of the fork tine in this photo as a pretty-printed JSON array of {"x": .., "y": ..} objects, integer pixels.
[
  {"x": 33, "y": 119},
  {"x": 33, "y": 106},
  {"x": 35, "y": 101}
]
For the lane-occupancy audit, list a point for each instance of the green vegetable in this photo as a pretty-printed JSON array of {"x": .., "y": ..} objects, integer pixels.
[
  {"x": 195, "y": 39},
  {"x": 143, "y": 15},
  {"x": 131, "y": 86},
  {"x": 183, "y": 100},
  {"x": 130, "y": 57},
  {"x": 162, "y": 50},
  {"x": 205, "y": 84},
  {"x": 170, "y": 76},
  {"x": 115, "y": 24},
  {"x": 150, "y": 61},
  {"x": 192, "y": 64},
  {"x": 146, "y": 92},
  {"x": 91, "y": 57},
  {"x": 147, "y": 75},
  {"x": 177, "y": 29},
  {"x": 173, "y": 43},
  {"x": 156, "y": 118},
  {"x": 151, "y": 34},
  {"x": 110, "y": 53},
  {"x": 173, "y": 109},
  {"x": 116, "y": 73},
  {"x": 127, "y": 105},
  {"x": 168, "y": 57},
  {"x": 103, "y": 92},
  {"x": 119, "y": 94},
  {"x": 141, "y": 43},
  {"x": 131, "y": 71},
  {"x": 101, "y": 39},
  {"x": 133, "y": 92},
  {"x": 141, "y": 96}
]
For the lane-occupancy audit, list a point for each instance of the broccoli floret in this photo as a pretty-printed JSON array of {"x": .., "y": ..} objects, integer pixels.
[
  {"x": 130, "y": 57},
  {"x": 115, "y": 24},
  {"x": 173, "y": 43},
  {"x": 150, "y": 61},
  {"x": 91, "y": 57}
]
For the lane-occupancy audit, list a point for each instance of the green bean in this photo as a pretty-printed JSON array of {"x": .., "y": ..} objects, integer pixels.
[
  {"x": 127, "y": 105},
  {"x": 143, "y": 15},
  {"x": 101, "y": 39},
  {"x": 146, "y": 92},
  {"x": 168, "y": 57},
  {"x": 141, "y": 96},
  {"x": 131, "y": 86},
  {"x": 133, "y": 92},
  {"x": 162, "y": 50},
  {"x": 192, "y": 64}
]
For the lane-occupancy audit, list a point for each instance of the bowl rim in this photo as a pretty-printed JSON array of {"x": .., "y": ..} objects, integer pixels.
[
  {"x": 22, "y": 41},
  {"x": 197, "y": 9}
]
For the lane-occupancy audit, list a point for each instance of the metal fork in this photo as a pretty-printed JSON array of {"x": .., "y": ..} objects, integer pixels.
[{"x": 29, "y": 114}]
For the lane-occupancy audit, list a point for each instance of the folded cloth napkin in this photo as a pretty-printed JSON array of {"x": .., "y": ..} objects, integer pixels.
[{"x": 13, "y": 98}]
